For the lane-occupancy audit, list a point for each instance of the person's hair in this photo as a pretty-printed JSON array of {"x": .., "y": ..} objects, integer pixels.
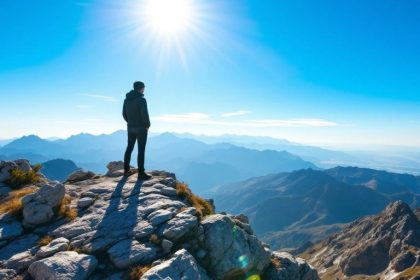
[{"x": 138, "y": 85}]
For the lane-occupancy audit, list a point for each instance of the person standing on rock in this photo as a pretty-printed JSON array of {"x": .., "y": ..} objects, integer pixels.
[{"x": 136, "y": 115}]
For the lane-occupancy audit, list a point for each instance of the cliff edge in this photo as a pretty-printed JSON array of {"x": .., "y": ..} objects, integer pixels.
[{"x": 111, "y": 227}]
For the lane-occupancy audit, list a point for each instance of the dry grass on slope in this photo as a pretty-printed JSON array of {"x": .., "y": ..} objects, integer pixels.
[
  {"x": 203, "y": 207},
  {"x": 138, "y": 271},
  {"x": 66, "y": 210},
  {"x": 13, "y": 202},
  {"x": 45, "y": 241}
]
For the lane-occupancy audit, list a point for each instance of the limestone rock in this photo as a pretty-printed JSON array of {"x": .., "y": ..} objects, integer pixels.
[
  {"x": 10, "y": 227},
  {"x": 142, "y": 229},
  {"x": 23, "y": 164},
  {"x": 38, "y": 207},
  {"x": 85, "y": 202},
  {"x": 181, "y": 224},
  {"x": 230, "y": 250},
  {"x": 130, "y": 252},
  {"x": 47, "y": 194},
  {"x": 18, "y": 245},
  {"x": 88, "y": 194},
  {"x": 63, "y": 265},
  {"x": 36, "y": 213},
  {"x": 290, "y": 268},
  {"x": 159, "y": 216},
  {"x": 167, "y": 245},
  {"x": 116, "y": 169},
  {"x": 182, "y": 266},
  {"x": 5, "y": 168},
  {"x": 56, "y": 245},
  {"x": 20, "y": 261},
  {"x": 80, "y": 175}
]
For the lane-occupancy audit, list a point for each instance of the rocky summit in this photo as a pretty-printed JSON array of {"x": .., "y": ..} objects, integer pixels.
[
  {"x": 383, "y": 246},
  {"x": 112, "y": 227}
]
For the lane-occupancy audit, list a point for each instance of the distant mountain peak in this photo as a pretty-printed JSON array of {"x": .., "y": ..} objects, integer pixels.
[{"x": 382, "y": 244}]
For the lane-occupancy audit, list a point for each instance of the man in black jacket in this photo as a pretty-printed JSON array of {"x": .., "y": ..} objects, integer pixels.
[{"x": 137, "y": 117}]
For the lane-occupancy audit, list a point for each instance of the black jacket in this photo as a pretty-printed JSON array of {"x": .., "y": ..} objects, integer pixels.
[{"x": 135, "y": 110}]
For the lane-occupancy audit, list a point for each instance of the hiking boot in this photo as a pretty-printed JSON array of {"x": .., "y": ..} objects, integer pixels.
[
  {"x": 144, "y": 176},
  {"x": 129, "y": 173}
]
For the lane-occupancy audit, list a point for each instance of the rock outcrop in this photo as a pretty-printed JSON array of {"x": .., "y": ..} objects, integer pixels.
[
  {"x": 384, "y": 245},
  {"x": 124, "y": 225},
  {"x": 38, "y": 207}
]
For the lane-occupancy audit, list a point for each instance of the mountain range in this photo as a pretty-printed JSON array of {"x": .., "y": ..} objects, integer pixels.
[
  {"x": 289, "y": 209},
  {"x": 392, "y": 159},
  {"x": 202, "y": 165}
]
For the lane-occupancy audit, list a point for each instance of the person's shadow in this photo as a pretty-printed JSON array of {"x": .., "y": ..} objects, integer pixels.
[{"x": 119, "y": 219}]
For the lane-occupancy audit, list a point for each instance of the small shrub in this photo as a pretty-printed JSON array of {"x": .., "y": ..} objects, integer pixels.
[
  {"x": 13, "y": 203},
  {"x": 66, "y": 210},
  {"x": 202, "y": 206},
  {"x": 182, "y": 209},
  {"x": 76, "y": 249},
  {"x": 138, "y": 271},
  {"x": 45, "y": 241},
  {"x": 275, "y": 263},
  {"x": 155, "y": 239},
  {"x": 19, "y": 178}
]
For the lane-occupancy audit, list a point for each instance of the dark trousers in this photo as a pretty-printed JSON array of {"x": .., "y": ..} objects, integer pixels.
[{"x": 139, "y": 134}]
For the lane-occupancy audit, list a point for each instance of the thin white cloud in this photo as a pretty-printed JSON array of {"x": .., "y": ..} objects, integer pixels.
[
  {"x": 103, "y": 97},
  {"x": 294, "y": 123},
  {"x": 205, "y": 119},
  {"x": 236, "y": 113}
]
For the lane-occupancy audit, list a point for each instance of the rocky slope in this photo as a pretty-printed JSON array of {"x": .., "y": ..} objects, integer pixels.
[
  {"x": 384, "y": 246},
  {"x": 124, "y": 228},
  {"x": 289, "y": 209}
]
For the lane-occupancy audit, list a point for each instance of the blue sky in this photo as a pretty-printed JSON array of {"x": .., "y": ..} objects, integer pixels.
[{"x": 336, "y": 73}]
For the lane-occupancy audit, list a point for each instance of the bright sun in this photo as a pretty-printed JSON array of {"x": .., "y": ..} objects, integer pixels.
[{"x": 168, "y": 17}]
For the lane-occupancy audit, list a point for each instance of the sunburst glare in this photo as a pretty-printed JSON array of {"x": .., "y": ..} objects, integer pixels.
[{"x": 169, "y": 17}]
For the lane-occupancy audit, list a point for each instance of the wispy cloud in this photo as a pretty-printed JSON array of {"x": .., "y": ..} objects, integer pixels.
[
  {"x": 103, "y": 97},
  {"x": 205, "y": 119},
  {"x": 294, "y": 123},
  {"x": 236, "y": 113}
]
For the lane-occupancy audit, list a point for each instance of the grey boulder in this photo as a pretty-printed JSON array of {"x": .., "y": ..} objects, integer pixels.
[
  {"x": 23, "y": 164},
  {"x": 38, "y": 207},
  {"x": 230, "y": 250},
  {"x": 182, "y": 266},
  {"x": 9, "y": 227},
  {"x": 63, "y": 265},
  {"x": 80, "y": 175},
  {"x": 57, "y": 245},
  {"x": 130, "y": 252},
  {"x": 181, "y": 224},
  {"x": 115, "y": 169},
  {"x": 85, "y": 202},
  {"x": 5, "y": 168},
  {"x": 159, "y": 216},
  {"x": 291, "y": 268}
]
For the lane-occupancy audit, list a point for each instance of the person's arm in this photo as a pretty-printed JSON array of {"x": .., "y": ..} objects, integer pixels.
[
  {"x": 145, "y": 113},
  {"x": 124, "y": 113}
]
